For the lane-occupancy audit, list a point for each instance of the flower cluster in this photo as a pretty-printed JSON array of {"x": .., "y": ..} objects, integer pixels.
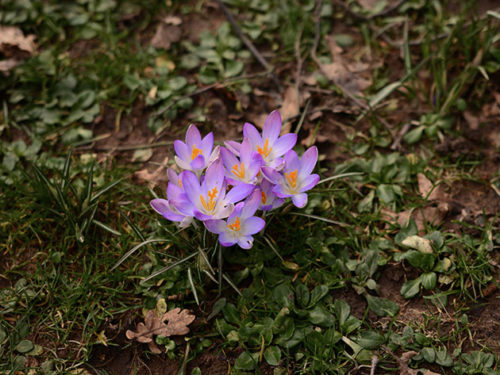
[{"x": 225, "y": 186}]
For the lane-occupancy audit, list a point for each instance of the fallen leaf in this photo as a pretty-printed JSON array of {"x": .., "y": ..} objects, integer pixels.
[
  {"x": 429, "y": 372},
  {"x": 165, "y": 35},
  {"x": 6, "y": 65},
  {"x": 418, "y": 243},
  {"x": 289, "y": 108},
  {"x": 172, "y": 20},
  {"x": 155, "y": 176},
  {"x": 426, "y": 188},
  {"x": 154, "y": 325},
  {"x": 13, "y": 37},
  {"x": 368, "y": 4},
  {"x": 403, "y": 363},
  {"x": 344, "y": 73}
]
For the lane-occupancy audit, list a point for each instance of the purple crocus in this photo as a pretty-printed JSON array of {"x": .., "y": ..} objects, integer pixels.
[
  {"x": 269, "y": 200},
  {"x": 240, "y": 225},
  {"x": 209, "y": 200},
  {"x": 296, "y": 177},
  {"x": 196, "y": 154},
  {"x": 175, "y": 197},
  {"x": 244, "y": 170},
  {"x": 270, "y": 145}
]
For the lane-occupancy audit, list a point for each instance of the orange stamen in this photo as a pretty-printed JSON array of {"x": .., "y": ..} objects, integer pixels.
[
  {"x": 195, "y": 152},
  {"x": 263, "y": 197},
  {"x": 180, "y": 183},
  {"x": 239, "y": 172},
  {"x": 212, "y": 194},
  {"x": 292, "y": 178},
  {"x": 266, "y": 150},
  {"x": 235, "y": 225}
]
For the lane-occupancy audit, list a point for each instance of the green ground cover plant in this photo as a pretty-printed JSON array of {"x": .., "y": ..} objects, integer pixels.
[{"x": 391, "y": 267}]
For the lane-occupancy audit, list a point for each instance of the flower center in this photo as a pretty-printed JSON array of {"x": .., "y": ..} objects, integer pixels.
[
  {"x": 239, "y": 171},
  {"x": 235, "y": 225},
  {"x": 212, "y": 194},
  {"x": 264, "y": 151},
  {"x": 195, "y": 152},
  {"x": 263, "y": 197},
  {"x": 292, "y": 178}
]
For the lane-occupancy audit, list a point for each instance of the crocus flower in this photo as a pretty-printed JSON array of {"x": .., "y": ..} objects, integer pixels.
[
  {"x": 209, "y": 200},
  {"x": 196, "y": 154},
  {"x": 175, "y": 197},
  {"x": 296, "y": 178},
  {"x": 270, "y": 145},
  {"x": 244, "y": 170},
  {"x": 269, "y": 200},
  {"x": 240, "y": 225}
]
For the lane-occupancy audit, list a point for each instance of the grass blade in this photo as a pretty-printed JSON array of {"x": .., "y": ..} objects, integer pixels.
[
  {"x": 349, "y": 174},
  {"x": 193, "y": 288},
  {"x": 135, "y": 248},
  {"x": 170, "y": 266},
  {"x": 343, "y": 225},
  {"x": 105, "y": 227}
]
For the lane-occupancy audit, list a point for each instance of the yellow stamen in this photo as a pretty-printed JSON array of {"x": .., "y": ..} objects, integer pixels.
[
  {"x": 195, "y": 152},
  {"x": 212, "y": 194},
  {"x": 180, "y": 183},
  {"x": 266, "y": 150},
  {"x": 239, "y": 172},
  {"x": 292, "y": 178},
  {"x": 263, "y": 197},
  {"x": 235, "y": 225}
]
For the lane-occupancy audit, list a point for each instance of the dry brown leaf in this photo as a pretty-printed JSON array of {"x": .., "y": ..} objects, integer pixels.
[
  {"x": 155, "y": 176},
  {"x": 172, "y": 20},
  {"x": 429, "y": 372},
  {"x": 165, "y": 35},
  {"x": 344, "y": 73},
  {"x": 403, "y": 363},
  {"x": 290, "y": 107},
  {"x": 424, "y": 185},
  {"x": 11, "y": 36},
  {"x": 6, "y": 65},
  {"x": 368, "y": 4},
  {"x": 154, "y": 324}
]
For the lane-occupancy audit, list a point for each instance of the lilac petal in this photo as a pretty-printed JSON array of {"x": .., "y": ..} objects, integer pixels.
[
  {"x": 183, "y": 205},
  {"x": 251, "y": 204},
  {"x": 267, "y": 207},
  {"x": 160, "y": 205},
  {"x": 186, "y": 222},
  {"x": 308, "y": 161},
  {"x": 172, "y": 176},
  {"x": 191, "y": 187},
  {"x": 182, "y": 164},
  {"x": 228, "y": 158},
  {"x": 254, "y": 225},
  {"x": 239, "y": 192},
  {"x": 277, "y": 164},
  {"x": 226, "y": 240},
  {"x": 207, "y": 144},
  {"x": 309, "y": 182},
  {"x": 182, "y": 150},
  {"x": 236, "y": 212},
  {"x": 271, "y": 175},
  {"x": 198, "y": 163},
  {"x": 214, "y": 176},
  {"x": 299, "y": 200},
  {"x": 277, "y": 203},
  {"x": 245, "y": 242},
  {"x": 292, "y": 161},
  {"x": 215, "y": 226},
  {"x": 233, "y": 146},
  {"x": 272, "y": 127},
  {"x": 284, "y": 144},
  {"x": 201, "y": 216},
  {"x": 279, "y": 192},
  {"x": 193, "y": 136},
  {"x": 254, "y": 164},
  {"x": 174, "y": 191},
  {"x": 252, "y": 135},
  {"x": 245, "y": 151},
  {"x": 214, "y": 155}
]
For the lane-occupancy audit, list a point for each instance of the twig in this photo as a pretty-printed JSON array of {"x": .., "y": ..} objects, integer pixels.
[
  {"x": 373, "y": 365},
  {"x": 317, "y": 29},
  {"x": 397, "y": 140},
  {"x": 249, "y": 44}
]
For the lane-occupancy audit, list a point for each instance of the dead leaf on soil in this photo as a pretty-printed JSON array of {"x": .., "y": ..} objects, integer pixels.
[
  {"x": 403, "y": 363},
  {"x": 426, "y": 188},
  {"x": 292, "y": 102},
  {"x": 344, "y": 73},
  {"x": 155, "y": 176},
  {"x": 167, "y": 33},
  {"x": 15, "y": 47},
  {"x": 154, "y": 325},
  {"x": 13, "y": 37}
]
